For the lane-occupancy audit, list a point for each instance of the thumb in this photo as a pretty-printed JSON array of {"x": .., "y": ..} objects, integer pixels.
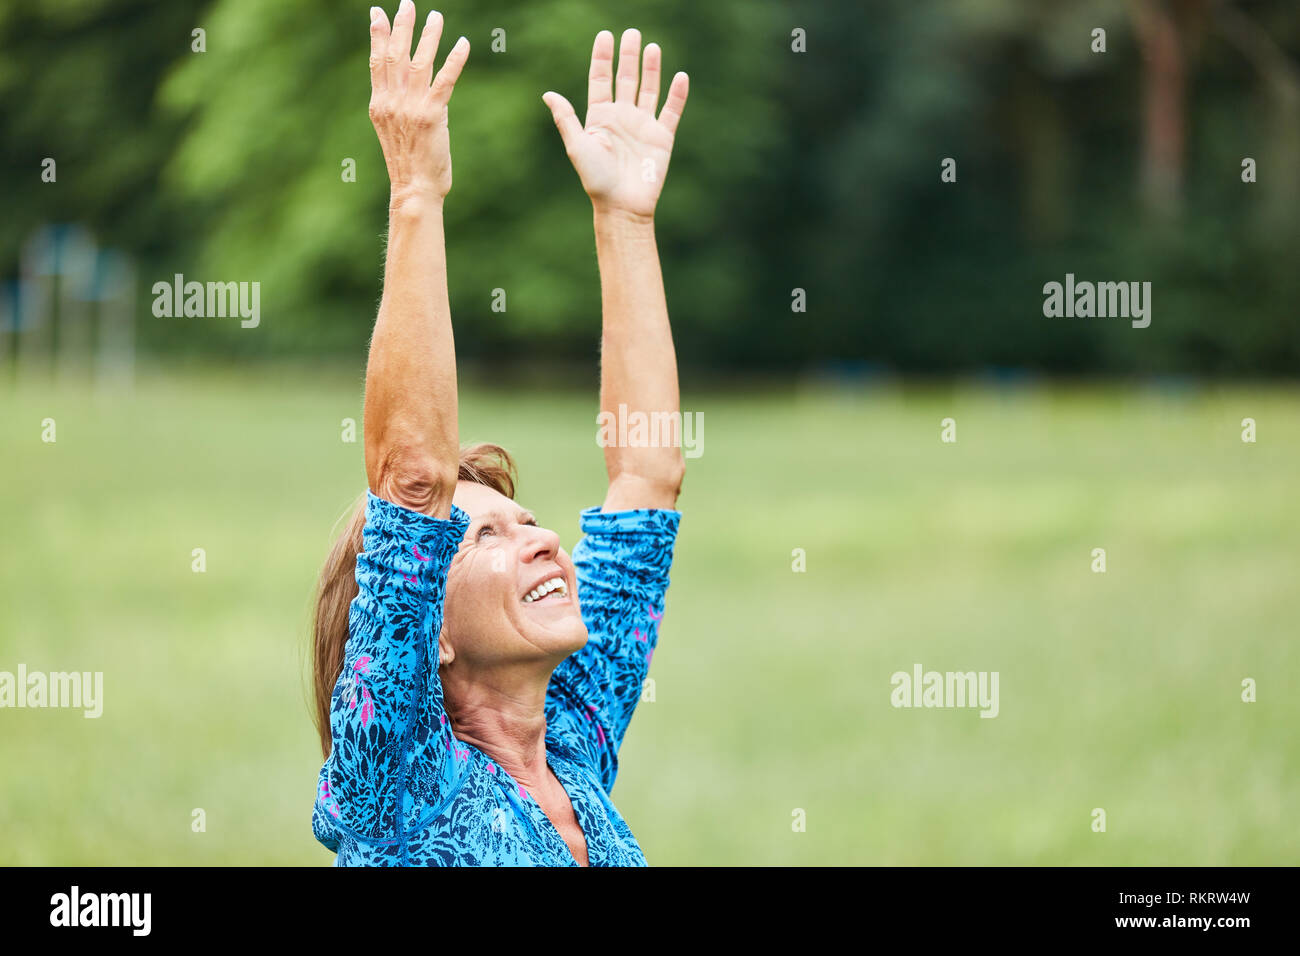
[{"x": 566, "y": 120}]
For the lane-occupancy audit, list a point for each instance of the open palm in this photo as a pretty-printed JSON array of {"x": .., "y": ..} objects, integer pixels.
[{"x": 621, "y": 153}]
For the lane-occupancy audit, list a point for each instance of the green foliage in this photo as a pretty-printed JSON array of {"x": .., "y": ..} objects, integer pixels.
[
  {"x": 816, "y": 170},
  {"x": 280, "y": 101}
]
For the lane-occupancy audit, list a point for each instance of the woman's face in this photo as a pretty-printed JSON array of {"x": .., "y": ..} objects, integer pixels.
[{"x": 511, "y": 591}]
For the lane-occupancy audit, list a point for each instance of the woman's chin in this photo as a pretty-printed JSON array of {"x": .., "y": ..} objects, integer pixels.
[{"x": 559, "y": 628}]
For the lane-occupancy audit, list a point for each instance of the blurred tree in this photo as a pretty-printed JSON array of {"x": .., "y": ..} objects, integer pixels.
[
  {"x": 77, "y": 84},
  {"x": 279, "y": 103},
  {"x": 810, "y": 165}
]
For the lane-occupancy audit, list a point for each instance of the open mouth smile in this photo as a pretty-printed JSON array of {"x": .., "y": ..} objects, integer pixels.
[{"x": 552, "y": 589}]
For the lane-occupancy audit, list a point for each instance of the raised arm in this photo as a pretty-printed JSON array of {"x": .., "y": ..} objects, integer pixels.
[
  {"x": 388, "y": 731},
  {"x": 623, "y": 559},
  {"x": 411, "y": 439},
  {"x": 621, "y": 155}
]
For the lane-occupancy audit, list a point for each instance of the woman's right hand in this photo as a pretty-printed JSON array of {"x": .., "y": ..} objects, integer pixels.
[{"x": 409, "y": 114}]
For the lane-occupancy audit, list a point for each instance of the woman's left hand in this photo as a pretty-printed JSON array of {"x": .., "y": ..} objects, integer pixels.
[{"x": 621, "y": 153}]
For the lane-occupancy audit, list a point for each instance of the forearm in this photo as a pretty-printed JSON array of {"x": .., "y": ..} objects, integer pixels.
[
  {"x": 411, "y": 440},
  {"x": 638, "y": 363},
  {"x": 390, "y": 659},
  {"x": 622, "y": 141}
]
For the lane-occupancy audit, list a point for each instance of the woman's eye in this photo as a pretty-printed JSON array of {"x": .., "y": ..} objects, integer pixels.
[{"x": 486, "y": 529}]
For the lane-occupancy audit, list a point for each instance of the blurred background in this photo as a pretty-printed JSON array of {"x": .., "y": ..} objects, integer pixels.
[{"x": 832, "y": 300}]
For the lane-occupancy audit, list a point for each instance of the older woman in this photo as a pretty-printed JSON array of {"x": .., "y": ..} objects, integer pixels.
[{"x": 474, "y": 683}]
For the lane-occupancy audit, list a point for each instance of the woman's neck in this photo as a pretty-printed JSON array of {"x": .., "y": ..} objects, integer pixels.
[{"x": 504, "y": 716}]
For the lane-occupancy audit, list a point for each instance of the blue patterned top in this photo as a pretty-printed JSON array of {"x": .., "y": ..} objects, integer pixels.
[{"x": 399, "y": 788}]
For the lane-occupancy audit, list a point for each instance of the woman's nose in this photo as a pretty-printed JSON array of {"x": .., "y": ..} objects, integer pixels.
[{"x": 541, "y": 543}]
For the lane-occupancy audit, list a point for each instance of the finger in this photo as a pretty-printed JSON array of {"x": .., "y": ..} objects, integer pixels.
[
  {"x": 602, "y": 70},
  {"x": 378, "y": 47},
  {"x": 566, "y": 120},
  {"x": 426, "y": 50},
  {"x": 676, "y": 102},
  {"x": 445, "y": 81},
  {"x": 648, "y": 98},
  {"x": 629, "y": 53},
  {"x": 398, "y": 57}
]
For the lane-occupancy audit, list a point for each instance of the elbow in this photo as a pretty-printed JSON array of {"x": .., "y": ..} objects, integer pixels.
[
  {"x": 414, "y": 480},
  {"x": 656, "y": 487},
  {"x": 666, "y": 480},
  {"x": 675, "y": 477}
]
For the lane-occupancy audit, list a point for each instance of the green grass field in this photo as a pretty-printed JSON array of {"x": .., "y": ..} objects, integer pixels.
[{"x": 1119, "y": 690}]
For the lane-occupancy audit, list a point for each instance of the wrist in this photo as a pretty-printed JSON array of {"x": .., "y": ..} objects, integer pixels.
[
  {"x": 414, "y": 198},
  {"x": 609, "y": 218}
]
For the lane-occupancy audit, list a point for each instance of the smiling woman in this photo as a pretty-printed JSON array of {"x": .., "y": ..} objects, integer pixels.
[{"x": 474, "y": 682}]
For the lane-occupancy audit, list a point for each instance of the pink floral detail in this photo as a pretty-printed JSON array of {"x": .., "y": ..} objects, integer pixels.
[
  {"x": 416, "y": 551},
  {"x": 639, "y": 635},
  {"x": 358, "y": 693},
  {"x": 653, "y": 615},
  {"x": 325, "y": 796},
  {"x": 492, "y": 768},
  {"x": 600, "y": 732},
  {"x": 523, "y": 794},
  {"x": 367, "y": 706}
]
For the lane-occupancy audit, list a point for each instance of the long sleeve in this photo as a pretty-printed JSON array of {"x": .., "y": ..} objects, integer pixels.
[
  {"x": 622, "y": 565},
  {"x": 392, "y": 751}
]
